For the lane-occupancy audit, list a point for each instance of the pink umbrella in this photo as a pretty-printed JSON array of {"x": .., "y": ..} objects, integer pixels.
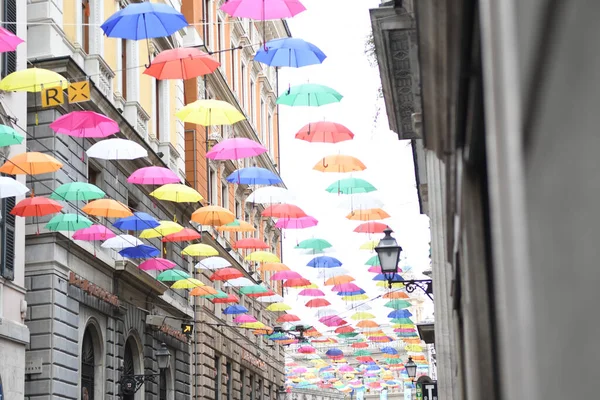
[
  {"x": 234, "y": 149},
  {"x": 153, "y": 176},
  {"x": 346, "y": 368},
  {"x": 283, "y": 275},
  {"x": 296, "y": 223},
  {"x": 300, "y": 370},
  {"x": 306, "y": 350},
  {"x": 93, "y": 233},
  {"x": 244, "y": 318},
  {"x": 345, "y": 287},
  {"x": 156, "y": 264},
  {"x": 375, "y": 269},
  {"x": 332, "y": 320},
  {"x": 263, "y": 9},
  {"x": 86, "y": 124},
  {"x": 8, "y": 41},
  {"x": 311, "y": 292}
]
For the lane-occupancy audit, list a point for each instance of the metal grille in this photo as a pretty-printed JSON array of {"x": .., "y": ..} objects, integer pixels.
[{"x": 9, "y": 13}]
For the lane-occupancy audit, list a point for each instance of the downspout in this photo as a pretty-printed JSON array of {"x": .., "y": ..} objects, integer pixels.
[
  {"x": 195, "y": 157},
  {"x": 278, "y": 159}
]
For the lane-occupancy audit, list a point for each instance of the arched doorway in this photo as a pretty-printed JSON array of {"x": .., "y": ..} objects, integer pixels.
[
  {"x": 132, "y": 364},
  {"x": 87, "y": 366}
]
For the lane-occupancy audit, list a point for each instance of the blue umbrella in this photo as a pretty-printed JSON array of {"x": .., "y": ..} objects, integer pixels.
[
  {"x": 355, "y": 293},
  {"x": 140, "y": 251},
  {"x": 235, "y": 309},
  {"x": 324, "y": 262},
  {"x": 253, "y": 176},
  {"x": 334, "y": 353},
  {"x": 389, "y": 350},
  {"x": 400, "y": 314},
  {"x": 143, "y": 21},
  {"x": 289, "y": 52},
  {"x": 395, "y": 278},
  {"x": 137, "y": 222}
]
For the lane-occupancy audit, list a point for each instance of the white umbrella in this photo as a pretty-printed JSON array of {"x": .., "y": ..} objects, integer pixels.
[
  {"x": 10, "y": 187},
  {"x": 331, "y": 272},
  {"x": 213, "y": 263},
  {"x": 117, "y": 149},
  {"x": 360, "y": 201},
  {"x": 238, "y": 282},
  {"x": 359, "y": 307},
  {"x": 322, "y": 312},
  {"x": 270, "y": 299},
  {"x": 270, "y": 195},
  {"x": 121, "y": 242}
]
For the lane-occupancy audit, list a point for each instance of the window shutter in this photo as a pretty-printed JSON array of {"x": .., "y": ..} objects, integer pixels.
[
  {"x": 8, "y": 239},
  {"x": 9, "y": 59}
]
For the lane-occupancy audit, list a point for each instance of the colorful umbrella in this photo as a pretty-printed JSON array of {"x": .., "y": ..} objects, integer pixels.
[
  {"x": 228, "y": 298},
  {"x": 204, "y": 291},
  {"x": 117, "y": 149},
  {"x": 181, "y": 63},
  {"x": 283, "y": 211},
  {"x": 287, "y": 318},
  {"x": 210, "y": 112},
  {"x": 121, "y": 242},
  {"x": 172, "y": 275},
  {"x": 316, "y": 303},
  {"x": 235, "y": 149},
  {"x": 93, "y": 233},
  {"x": 273, "y": 267},
  {"x": 368, "y": 215},
  {"x": 8, "y": 136},
  {"x": 213, "y": 263},
  {"x": 189, "y": 283},
  {"x": 254, "y": 176},
  {"x": 324, "y": 262},
  {"x": 339, "y": 280},
  {"x": 213, "y": 215},
  {"x": 262, "y": 256},
  {"x": 153, "y": 176},
  {"x": 239, "y": 282},
  {"x": 270, "y": 195},
  {"x": 289, "y": 52},
  {"x": 345, "y": 287},
  {"x": 177, "y": 193},
  {"x": 36, "y": 207},
  {"x": 263, "y": 9},
  {"x": 30, "y": 163},
  {"x": 236, "y": 226},
  {"x": 283, "y": 275},
  {"x": 278, "y": 307},
  {"x": 32, "y": 80},
  {"x": 371, "y": 227},
  {"x": 143, "y": 21},
  {"x": 199, "y": 250},
  {"x": 397, "y": 304},
  {"x": 140, "y": 251},
  {"x": 314, "y": 244},
  {"x": 296, "y": 223},
  {"x": 311, "y": 292},
  {"x": 253, "y": 289},
  {"x": 156, "y": 264},
  {"x": 184, "y": 235},
  {"x": 139, "y": 221},
  {"x": 306, "y": 350},
  {"x": 361, "y": 315},
  {"x": 250, "y": 243},
  {"x": 68, "y": 222},
  {"x": 107, "y": 208},
  {"x": 86, "y": 124},
  {"x": 350, "y": 186},
  {"x": 163, "y": 229},
  {"x": 296, "y": 283},
  {"x": 309, "y": 94},
  {"x": 77, "y": 191},
  {"x": 235, "y": 309},
  {"x": 324, "y": 132},
  {"x": 339, "y": 163},
  {"x": 10, "y": 187},
  {"x": 8, "y": 40},
  {"x": 360, "y": 201},
  {"x": 226, "y": 274}
]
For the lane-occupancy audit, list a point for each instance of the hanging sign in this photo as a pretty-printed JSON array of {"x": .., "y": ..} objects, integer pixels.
[
  {"x": 52, "y": 96},
  {"x": 79, "y": 91},
  {"x": 187, "y": 329}
]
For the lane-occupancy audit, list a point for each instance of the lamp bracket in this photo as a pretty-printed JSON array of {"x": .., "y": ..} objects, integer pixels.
[
  {"x": 424, "y": 284},
  {"x": 130, "y": 384}
]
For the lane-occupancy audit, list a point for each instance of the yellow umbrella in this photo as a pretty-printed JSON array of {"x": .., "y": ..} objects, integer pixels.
[
  {"x": 356, "y": 297},
  {"x": 395, "y": 285},
  {"x": 278, "y": 307},
  {"x": 210, "y": 112},
  {"x": 165, "y": 228},
  {"x": 213, "y": 215},
  {"x": 274, "y": 267},
  {"x": 253, "y": 325},
  {"x": 177, "y": 192},
  {"x": 339, "y": 163},
  {"x": 413, "y": 347},
  {"x": 372, "y": 214},
  {"x": 200, "y": 250},
  {"x": 189, "y": 283},
  {"x": 262, "y": 256},
  {"x": 32, "y": 80},
  {"x": 236, "y": 226},
  {"x": 370, "y": 245},
  {"x": 359, "y": 316}
]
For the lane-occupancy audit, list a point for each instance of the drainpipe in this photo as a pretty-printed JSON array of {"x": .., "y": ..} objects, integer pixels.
[
  {"x": 278, "y": 157},
  {"x": 195, "y": 158}
]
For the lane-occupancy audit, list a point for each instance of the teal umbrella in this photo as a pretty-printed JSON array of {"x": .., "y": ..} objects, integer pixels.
[
  {"x": 373, "y": 261},
  {"x": 397, "y": 304},
  {"x": 76, "y": 191},
  {"x": 310, "y": 95},
  {"x": 172, "y": 275},
  {"x": 8, "y": 136},
  {"x": 314, "y": 244},
  {"x": 219, "y": 295},
  {"x": 68, "y": 222},
  {"x": 253, "y": 289},
  {"x": 351, "y": 186}
]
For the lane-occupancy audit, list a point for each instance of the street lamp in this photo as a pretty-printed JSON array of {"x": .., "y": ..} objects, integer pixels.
[
  {"x": 281, "y": 393},
  {"x": 388, "y": 252},
  {"x": 411, "y": 368},
  {"x": 130, "y": 384}
]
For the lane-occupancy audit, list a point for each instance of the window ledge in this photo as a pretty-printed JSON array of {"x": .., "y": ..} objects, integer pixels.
[{"x": 12, "y": 285}]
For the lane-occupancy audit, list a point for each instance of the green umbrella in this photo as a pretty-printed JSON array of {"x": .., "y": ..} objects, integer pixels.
[
  {"x": 173, "y": 275},
  {"x": 373, "y": 261},
  {"x": 351, "y": 186},
  {"x": 397, "y": 304},
  {"x": 219, "y": 295},
  {"x": 406, "y": 321},
  {"x": 76, "y": 191},
  {"x": 68, "y": 222},
  {"x": 348, "y": 334},
  {"x": 310, "y": 95},
  {"x": 8, "y": 136},
  {"x": 314, "y": 244},
  {"x": 361, "y": 353},
  {"x": 253, "y": 289}
]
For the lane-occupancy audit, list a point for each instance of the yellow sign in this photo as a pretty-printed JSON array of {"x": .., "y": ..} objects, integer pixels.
[
  {"x": 79, "y": 91},
  {"x": 52, "y": 96},
  {"x": 187, "y": 329}
]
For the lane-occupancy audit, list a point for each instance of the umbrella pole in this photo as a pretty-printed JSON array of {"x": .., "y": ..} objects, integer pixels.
[{"x": 147, "y": 42}]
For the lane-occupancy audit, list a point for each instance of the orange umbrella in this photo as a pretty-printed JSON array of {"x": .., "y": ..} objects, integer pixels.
[
  {"x": 30, "y": 163},
  {"x": 339, "y": 163},
  {"x": 203, "y": 291},
  {"x": 236, "y": 226},
  {"x": 184, "y": 235},
  {"x": 107, "y": 208},
  {"x": 368, "y": 215},
  {"x": 213, "y": 215},
  {"x": 366, "y": 323},
  {"x": 339, "y": 280},
  {"x": 274, "y": 267},
  {"x": 395, "y": 295}
]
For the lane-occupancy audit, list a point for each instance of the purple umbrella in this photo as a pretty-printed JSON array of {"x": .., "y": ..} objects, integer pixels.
[
  {"x": 234, "y": 149},
  {"x": 296, "y": 223}
]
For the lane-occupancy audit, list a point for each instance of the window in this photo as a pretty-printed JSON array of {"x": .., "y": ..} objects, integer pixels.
[
  {"x": 260, "y": 381},
  {"x": 220, "y": 41},
  {"x": 95, "y": 175},
  {"x": 212, "y": 187},
  {"x": 252, "y": 106},
  {"x": 224, "y": 195},
  {"x": 7, "y": 238},
  {"x": 263, "y": 122},
  {"x": 243, "y": 380},
  {"x": 252, "y": 387},
  {"x": 217, "y": 367},
  {"x": 157, "y": 110},
  {"x": 238, "y": 215},
  {"x": 9, "y": 13},
  {"x": 234, "y": 68},
  {"x": 229, "y": 372},
  {"x": 85, "y": 25},
  {"x": 270, "y": 136},
  {"x": 129, "y": 364},
  {"x": 243, "y": 87},
  {"x": 87, "y": 366},
  {"x": 124, "y": 68}
]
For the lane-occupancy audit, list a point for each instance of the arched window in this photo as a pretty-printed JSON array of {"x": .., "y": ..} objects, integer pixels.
[
  {"x": 87, "y": 366},
  {"x": 129, "y": 363}
]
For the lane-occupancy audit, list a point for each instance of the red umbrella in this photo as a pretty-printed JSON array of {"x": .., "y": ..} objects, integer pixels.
[
  {"x": 360, "y": 345},
  {"x": 224, "y": 300},
  {"x": 184, "y": 235},
  {"x": 344, "y": 329},
  {"x": 371, "y": 227},
  {"x": 181, "y": 63},
  {"x": 283, "y": 275},
  {"x": 306, "y": 350},
  {"x": 324, "y": 132},
  {"x": 267, "y": 293},
  {"x": 287, "y": 318},
  {"x": 36, "y": 207},
  {"x": 296, "y": 282},
  {"x": 250, "y": 243},
  {"x": 315, "y": 303},
  {"x": 283, "y": 211},
  {"x": 365, "y": 359},
  {"x": 226, "y": 274}
]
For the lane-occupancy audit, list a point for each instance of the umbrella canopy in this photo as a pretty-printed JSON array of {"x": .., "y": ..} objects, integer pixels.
[
  {"x": 262, "y": 256},
  {"x": 226, "y": 274},
  {"x": 273, "y": 267},
  {"x": 156, "y": 264},
  {"x": 350, "y": 186},
  {"x": 235, "y": 309},
  {"x": 139, "y": 221},
  {"x": 270, "y": 299},
  {"x": 360, "y": 201},
  {"x": 144, "y": 20},
  {"x": 311, "y": 292},
  {"x": 250, "y": 243},
  {"x": 359, "y": 316},
  {"x": 244, "y": 318},
  {"x": 236, "y": 226},
  {"x": 371, "y": 227},
  {"x": 339, "y": 280},
  {"x": 306, "y": 350},
  {"x": 121, "y": 242},
  {"x": 77, "y": 191},
  {"x": 181, "y": 63},
  {"x": 10, "y": 187},
  {"x": 253, "y": 289},
  {"x": 339, "y": 163},
  {"x": 36, "y": 207},
  {"x": 8, "y": 136},
  {"x": 287, "y": 318},
  {"x": 283, "y": 211},
  {"x": 117, "y": 149},
  {"x": 213, "y": 263},
  {"x": 210, "y": 112},
  {"x": 297, "y": 223},
  {"x": 153, "y": 176},
  {"x": 263, "y": 9},
  {"x": 397, "y": 304},
  {"x": 228, "y": 298},
  {"x": 324, "y": 262},
  {"x": 324, "y": 132},
  {"x": 278, "y": 307},
  {"x": 86, "y": 124},
  {"x": 239, "y": 282},
  {"x": 177, "y": 193},
  {"x": 68, "y": 222},
  {"x": 314, "y": 244},
  {"x": 270, "y": 195},
  {"x": 316, "y": 303},
  {"x": 30, "y": 163},
  {"x": 199, "y": 250},
  {"x": 254, "y": 176},
  {"x": 172, "y": 275},
  {"x": 345, "y": 287},
  {"x": 107, "y": 208},
  {"x": 140, "y": 251},
  {"x": 296, "y": 282},
  {"x": 163, "y": 229},
  {"x": 204, "y": 291},
  {"x": 368, "y": 215},
  {"x": 93, "y": 233},
  {"x": 283, "y": 275},
  {"x": 32, "y": 80},
  {"x": 309, "y": 94},
  {"x": 189, "y": 283},
  {"x": 289, "y": 52},
  {"x": 235, "y": 149},
  {"x": 184, "y": 235},
  {"x": 213, "y": 215},
  {"x": 8, "y": 40}
]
